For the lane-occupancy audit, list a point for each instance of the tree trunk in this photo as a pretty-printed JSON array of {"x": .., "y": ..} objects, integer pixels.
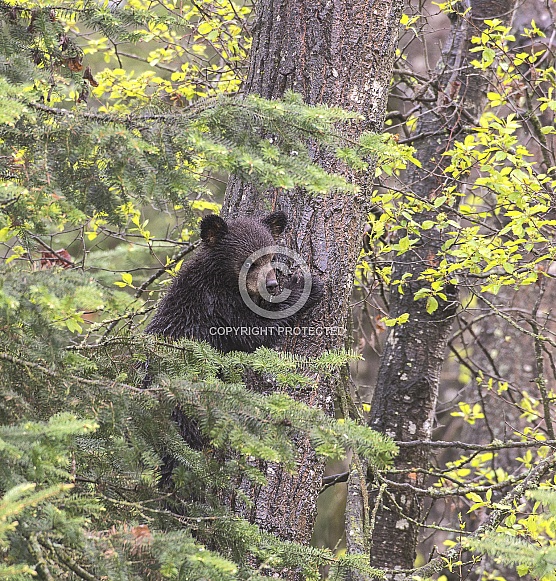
[
  {"x": 337, "y": 52},
  {"x": 405, "y": 398}
]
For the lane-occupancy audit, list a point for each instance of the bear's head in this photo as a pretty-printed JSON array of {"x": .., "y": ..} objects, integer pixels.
[{"x": 232, "y": 243}]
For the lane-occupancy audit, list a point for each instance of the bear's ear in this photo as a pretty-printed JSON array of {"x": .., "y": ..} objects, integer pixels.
[
  {"x": 213, "y": 228},
  {"x": 276, "y": 223}
]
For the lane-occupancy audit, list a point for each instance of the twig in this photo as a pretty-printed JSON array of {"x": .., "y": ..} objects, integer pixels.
[
  {"x": 372, "y": 522},
  {"x": 480, "y": 447},
  {"x": 446, "y": 492},
  {"x": 513, "y": 323},
  {"x": 161, "y": 271},
  {"x": 51, "y": 250},
  {"x": 328, "y": 481}
]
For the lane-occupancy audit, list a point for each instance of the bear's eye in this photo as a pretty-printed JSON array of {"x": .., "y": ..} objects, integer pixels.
[{"x": 248, "y": 264}]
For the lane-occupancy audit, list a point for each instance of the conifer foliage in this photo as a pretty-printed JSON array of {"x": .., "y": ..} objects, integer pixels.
[{"x": 104, "y": 173}]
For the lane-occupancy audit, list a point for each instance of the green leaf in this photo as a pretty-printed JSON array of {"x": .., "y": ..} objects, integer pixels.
[
  {"x": 127, "y": 278},
  {"x": 404, "y": 243},
  {"x": 421, "y": 293},
  {"x": 6, "y": 233},
  {"x": 73, "y": 326},
  {"x": 403, "y": 318},
  {"x": 432, "y": 305},
  {"x": 205, "y": 27}
]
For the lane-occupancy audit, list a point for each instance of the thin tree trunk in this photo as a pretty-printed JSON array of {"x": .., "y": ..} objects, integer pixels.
[
  {"x": 337, "y": 52},
  {"x": 405, "y": 398}
]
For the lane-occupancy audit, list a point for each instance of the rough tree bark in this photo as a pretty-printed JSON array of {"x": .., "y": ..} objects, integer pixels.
[
  {"x": 337, "y": 52},
  {"x": 405, "y": 397}
]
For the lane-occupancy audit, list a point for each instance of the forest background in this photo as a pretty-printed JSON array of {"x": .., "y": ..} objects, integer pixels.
[{"x": 121, "y": 124}]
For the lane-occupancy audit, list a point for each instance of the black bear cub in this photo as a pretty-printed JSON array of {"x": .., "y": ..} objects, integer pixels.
[{"x": 205, "y": 301}]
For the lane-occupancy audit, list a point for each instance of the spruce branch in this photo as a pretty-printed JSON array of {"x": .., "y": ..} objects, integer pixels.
[
  {"x": 59, "y": 551},
  {"x": 38, "y": 554},
  {"x": 93, "y": 382}
]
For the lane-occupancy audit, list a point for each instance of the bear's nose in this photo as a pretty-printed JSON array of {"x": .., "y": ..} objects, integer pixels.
[{"x": 271, "y": 282}]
